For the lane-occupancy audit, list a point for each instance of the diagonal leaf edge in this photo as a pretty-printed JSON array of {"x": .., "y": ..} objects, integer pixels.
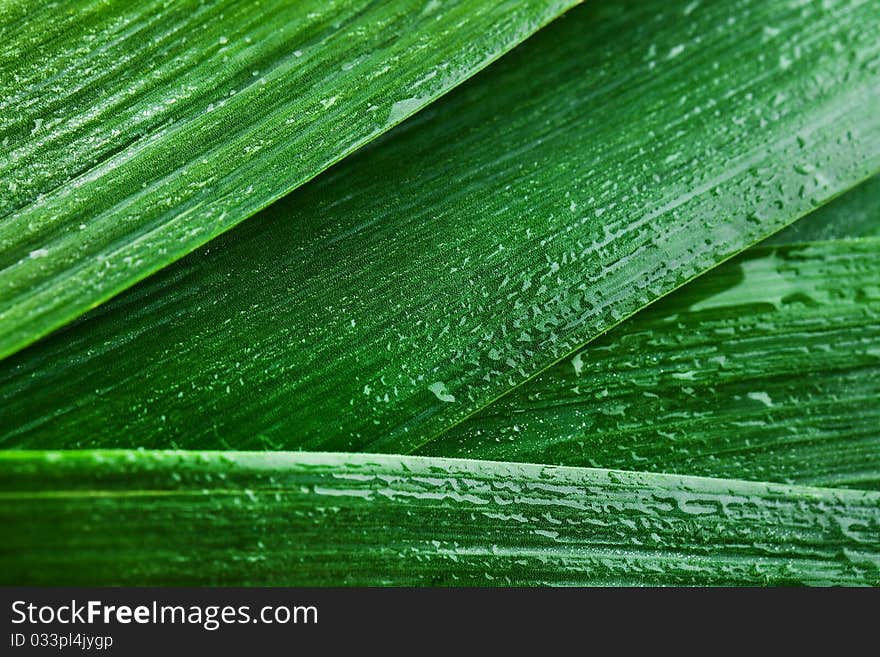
[
  {"x": 108, "y": 178},
  {"x": 287, "y": 384},
  {"x": 766, "y": 369},
  {"x": 851, "y": 216}
]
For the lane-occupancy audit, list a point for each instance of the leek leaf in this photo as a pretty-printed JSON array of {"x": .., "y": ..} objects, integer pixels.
[
  {"x": 767, "y": 368},
  {"x": 625, "y": 149},
  {"x": 160, "y": 518},
  {"x": 134, "y": 132},
  {"x": 855, "y": 214}
]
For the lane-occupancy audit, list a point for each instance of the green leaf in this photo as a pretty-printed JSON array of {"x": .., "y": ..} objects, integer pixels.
[
  {"x": 855, "y": 214},
  {"x": 767, "y": 368},
  {"x": 133, "y": 133},
  {"x": 338, "y": 519},
  {"x": 674, "y": 388},
  {"x": 624, "y": 150}
]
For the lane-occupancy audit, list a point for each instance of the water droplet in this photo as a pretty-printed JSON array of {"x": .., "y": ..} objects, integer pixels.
[
  {"x": 441, "y": 392},
  {"x": 762, "y": 397}
]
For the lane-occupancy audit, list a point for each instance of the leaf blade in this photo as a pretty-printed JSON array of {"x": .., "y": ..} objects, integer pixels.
[
  {"x": 429, "y": 335},
  {"x": 851, "y": 216},
  {"x": 766, "y": 369},
  {"x": 330, "y": 519},
  {"x": 111, "y": 174}
]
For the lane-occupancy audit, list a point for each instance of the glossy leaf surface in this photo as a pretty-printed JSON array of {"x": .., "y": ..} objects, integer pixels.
[
  {"x": 767, "y": 368},
  {"x": 134, "y": 132},
  {"x": 622, "y": 151},
  {"x": 338, "y": 519}
]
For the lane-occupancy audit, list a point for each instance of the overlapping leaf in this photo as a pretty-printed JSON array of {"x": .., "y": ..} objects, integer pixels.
[
  {"x": 133, "y": 133},
  {"x": 622, "y": 151},
  {"x": 331, "y": 519},
  {"x": 855, "y": 214},
  {"x": 768, "y": 368}
]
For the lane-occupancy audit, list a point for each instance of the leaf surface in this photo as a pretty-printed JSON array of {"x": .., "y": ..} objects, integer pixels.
[
  {"x": 853, "y": 215},
  {"x": 134, "y": 132},
  {"x": 624, "y": 150},
  {"x": 337, "y": 519},
  {"x": 767, "y": 368}
]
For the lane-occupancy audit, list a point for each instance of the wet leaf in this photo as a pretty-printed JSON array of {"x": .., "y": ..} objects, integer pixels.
[
  {"x": 133, "y": 133},
  {"x": 767, "y": 368},
  {"x": 340, "y": 519},
  {"x": 625, "y": 149},
  {"x": 853, "y": 215}
]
